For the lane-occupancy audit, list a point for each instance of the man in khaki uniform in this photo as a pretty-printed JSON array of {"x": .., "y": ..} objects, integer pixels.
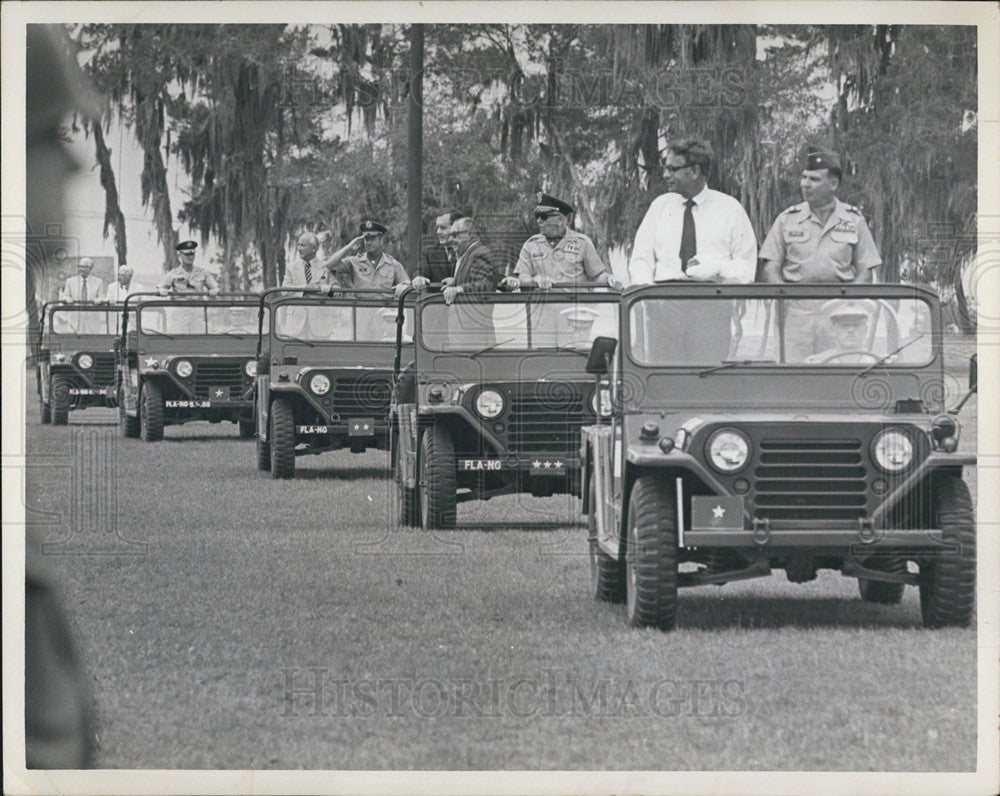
[
  {"x": 819, "y": 240},
  {"x": 558, "y": 253},
  {"x": 374, "y": 269},
  {"x": 187, "y": 277}
]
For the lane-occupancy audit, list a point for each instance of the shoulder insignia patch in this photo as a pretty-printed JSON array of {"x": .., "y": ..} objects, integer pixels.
[
  {"x": 853, "y": 209},
  {"x": 792, "y": 209}
]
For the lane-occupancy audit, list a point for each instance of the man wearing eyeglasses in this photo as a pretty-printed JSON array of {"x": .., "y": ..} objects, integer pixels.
[
  {"x": 187, "y": 277},
  {"x": 692, "y": 231},
  {"x": 474, "y": 271},
  {"x": 558, "y": 253}
]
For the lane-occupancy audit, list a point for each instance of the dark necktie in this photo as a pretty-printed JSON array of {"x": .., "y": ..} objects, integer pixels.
[
  {"x": 309, "y": 274},
  {"x": 83, "y": 289},
  {"x": 689, "y": 242}
]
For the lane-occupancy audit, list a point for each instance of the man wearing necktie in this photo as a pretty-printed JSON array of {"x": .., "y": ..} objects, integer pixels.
[
  {"x": 83, "y": 287},
  {"x": 693, "y": 233},
  {"x": 304, "y": 271}
]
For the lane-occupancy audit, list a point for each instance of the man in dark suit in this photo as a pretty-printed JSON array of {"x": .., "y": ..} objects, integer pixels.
[
  {"x": 437, "y": 261},
  {"x": 474, "y": 271}
]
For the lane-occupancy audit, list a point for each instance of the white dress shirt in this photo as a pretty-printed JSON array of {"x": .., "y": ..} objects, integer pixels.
[
  {"x": 117, "y": 293},
  {"x": 726, "y": 244},
  {"x": 73, "y": 289}
]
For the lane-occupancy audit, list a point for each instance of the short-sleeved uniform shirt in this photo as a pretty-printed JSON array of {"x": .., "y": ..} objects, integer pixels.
[
  {"x": 180, "y": 280},
  {"x": 357, "y": 271},
  {"x": 807, "y": 250},
  {"x": 572, "y": 259}
]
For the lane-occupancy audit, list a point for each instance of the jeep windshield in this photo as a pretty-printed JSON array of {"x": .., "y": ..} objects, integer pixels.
[
  {"x": 542, "y": 322},
  {"x": 179, "y": 320},
  {"x": 83, "y": 320},
  {"x": 338, "y": 323},
  {"x": 723, "y": 332}
]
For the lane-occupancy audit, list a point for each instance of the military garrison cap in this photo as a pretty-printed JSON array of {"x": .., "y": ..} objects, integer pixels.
[
  {"x": 370, "y": 225},
  {"x": 822, "y": 160},
  {"x": 547, "y": 203},
  {"x": 838, "y": 308},
  {"x": 186, "y": 246}
]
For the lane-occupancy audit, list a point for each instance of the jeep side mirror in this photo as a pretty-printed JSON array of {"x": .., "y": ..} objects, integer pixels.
[
  {"x": 601, "y": 352},
  {"x": 973, "y": 372}
]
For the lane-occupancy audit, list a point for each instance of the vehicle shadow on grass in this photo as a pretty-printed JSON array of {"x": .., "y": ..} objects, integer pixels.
[
  {"x": 343, "y": 474},
  {"x": 711, "y": 613}
]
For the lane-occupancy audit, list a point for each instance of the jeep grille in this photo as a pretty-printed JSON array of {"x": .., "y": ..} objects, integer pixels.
[
  {"x": 367, "y": 394},
  {"x": 545, "y": 418},
  {"x": 216, "y": 373},
  {"x": 810, "y": 480},
  {"x": 103, "y": 372}
]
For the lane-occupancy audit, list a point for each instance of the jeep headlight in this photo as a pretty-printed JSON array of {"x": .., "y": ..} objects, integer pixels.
[
  {"x": 600, "y": 402},
  {"x": 184, "y": 369},
  {"x": 250, "y": 368},
  {"x": 489, "y": 404},
  {"x": 892, "y": 450},
  {"x": 320, "y": 384},
  {"x": 728, "y": 450},
  {"x": 85, "y": 361}
]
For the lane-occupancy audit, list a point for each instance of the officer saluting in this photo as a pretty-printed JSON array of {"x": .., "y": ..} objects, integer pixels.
[
  {"x": 373, "y": 269},
  {"x": 558, "y": 253},
  {"x": 822, "y": 239},
  {"x": 187, "y": 277}
]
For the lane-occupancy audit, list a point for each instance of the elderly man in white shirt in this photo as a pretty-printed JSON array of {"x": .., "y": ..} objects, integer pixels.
[
  {"x": 124, "y": 287},
  {"x": 693, "y": 232}
]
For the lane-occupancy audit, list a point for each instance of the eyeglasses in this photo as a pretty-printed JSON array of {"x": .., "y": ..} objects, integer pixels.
[
  {"x": 547, "y": 215},
  {"x": 675, "y": 169}
]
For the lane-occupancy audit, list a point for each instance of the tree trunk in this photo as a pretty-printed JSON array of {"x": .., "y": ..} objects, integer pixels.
[
  {"x": 965, "y": 318},
  {"x": 154, "y": 178},
  {"x": 112, "y": 209}
]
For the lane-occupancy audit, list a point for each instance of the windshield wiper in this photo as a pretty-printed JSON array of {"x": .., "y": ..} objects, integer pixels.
[
  {"x": 569, "y": 350},
  {"x": 309, "y": 343},
  {"x": 490, "y": 347},
  {"x": 889, "y": 356},
  {"x": 732, "y": 363}
]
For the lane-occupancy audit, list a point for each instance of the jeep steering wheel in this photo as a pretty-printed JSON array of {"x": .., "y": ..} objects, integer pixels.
[{"x": 856, "y": 352}]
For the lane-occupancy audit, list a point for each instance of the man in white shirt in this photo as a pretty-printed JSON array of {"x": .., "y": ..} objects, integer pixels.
[
  {"x": 83, "y": 287},
  {"x": 305, "y": 271},
  {"x": 693, "y": 232},
  {"x": 124, "y": 287}
]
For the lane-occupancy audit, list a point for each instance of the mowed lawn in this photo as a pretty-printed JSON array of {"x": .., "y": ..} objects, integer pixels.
[{"x": 472, "y": 649}]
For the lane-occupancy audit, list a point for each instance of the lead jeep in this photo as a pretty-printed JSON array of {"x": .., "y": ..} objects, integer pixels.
[
  {"x": 324, "y": 374},
  {"x": 495, "y": 399},
  {"x": 76, "y": 360},
  {"x": 760, "y": 427},
  {"x": 186, "y": 358}
]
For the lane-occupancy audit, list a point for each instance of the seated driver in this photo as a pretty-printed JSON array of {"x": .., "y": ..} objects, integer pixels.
[
  {"x": 847, "y": 324},
  {"x": 241, "y": 320}
]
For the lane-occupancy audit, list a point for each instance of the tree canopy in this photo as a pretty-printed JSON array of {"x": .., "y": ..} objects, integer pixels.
[{"x": 281, "y": 129}]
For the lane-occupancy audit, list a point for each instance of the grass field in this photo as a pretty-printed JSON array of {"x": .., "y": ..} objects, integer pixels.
[{"x": 221, "y": 592}]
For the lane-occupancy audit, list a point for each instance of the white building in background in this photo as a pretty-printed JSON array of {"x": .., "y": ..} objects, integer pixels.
[{"x": 85, "y": 207}]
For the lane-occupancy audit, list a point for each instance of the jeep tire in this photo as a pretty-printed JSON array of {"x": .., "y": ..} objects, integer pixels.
[
  {"x": 263, "y": 453},
  {"x": 151, "y": 412},
  {"x": 127, "y": 424},
  {"x": 437, "y": 478},
  {"x": 880, "y": 591},
  {"x": 948, "y": 579},
  {"x": 407, "y": 500},
  {"x": 282, "y": 439},
  {"x": 59, "y": 400},
  {"x": 45, "y": 411},
  {"x": 607, "y": 573},
  {"x": 651, "y": 555}
]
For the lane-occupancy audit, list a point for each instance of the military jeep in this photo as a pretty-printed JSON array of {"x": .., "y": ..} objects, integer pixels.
[
  {"x": 760, "y": 427},
  {"x": 496, "y": 397},
  {"x": 185, "y": 358},
  {"x": 324, "y": 374},
  {"x": 76, "y": 358}
]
